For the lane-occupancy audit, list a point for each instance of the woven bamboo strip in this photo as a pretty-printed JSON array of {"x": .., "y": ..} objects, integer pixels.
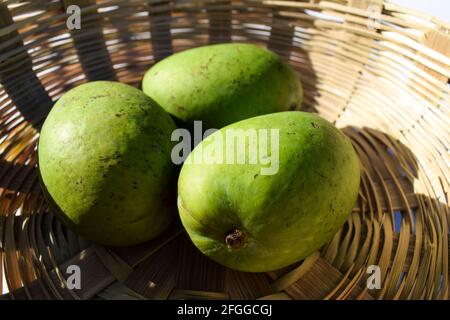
[
  {"x": 219, "y": 22},
  {"x": 37, "y": 98},
  {"x": 91, "y": 34},
  {"x": 160, "y": 30}
]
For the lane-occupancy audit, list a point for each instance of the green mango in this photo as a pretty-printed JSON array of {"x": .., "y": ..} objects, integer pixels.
[
  {"x": 105, "y": 165},
  {"x": 256, "y": 220},
  {"x": 221, "y": 84}
]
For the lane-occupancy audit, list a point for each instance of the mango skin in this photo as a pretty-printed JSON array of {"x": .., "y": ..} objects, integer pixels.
[
  {"x": 286, "y": 216},
  {"x": 105, "y": 166},
  {"x": 221, "y": 84}
]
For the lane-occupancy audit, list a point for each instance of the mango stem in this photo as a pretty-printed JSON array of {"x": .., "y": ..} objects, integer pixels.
[{"x": 235, "y": 239}]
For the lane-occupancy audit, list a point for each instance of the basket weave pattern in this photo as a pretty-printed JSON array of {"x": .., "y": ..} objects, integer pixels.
[{"x": 377, "y": 71}]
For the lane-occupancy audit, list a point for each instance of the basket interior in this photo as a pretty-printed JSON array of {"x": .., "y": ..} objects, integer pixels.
[{"x": 377, "y": 71}]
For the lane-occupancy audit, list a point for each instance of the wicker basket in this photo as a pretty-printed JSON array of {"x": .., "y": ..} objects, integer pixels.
[{"x": 377, "y": 71}]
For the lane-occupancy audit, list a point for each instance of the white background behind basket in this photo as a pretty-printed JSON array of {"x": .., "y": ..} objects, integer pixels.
[{"x": 437, "y": 8}]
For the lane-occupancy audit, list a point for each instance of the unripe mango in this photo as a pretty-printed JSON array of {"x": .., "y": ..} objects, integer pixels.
[
  {"x": 221, "y": 84},
  {"x": 105, "y": 166},
  {"x": 254, "y": 220}
]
